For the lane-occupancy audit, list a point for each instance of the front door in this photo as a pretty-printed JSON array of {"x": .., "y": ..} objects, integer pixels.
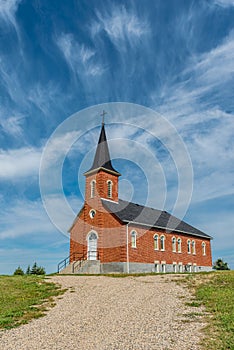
[{"x": 92, "y": 246}]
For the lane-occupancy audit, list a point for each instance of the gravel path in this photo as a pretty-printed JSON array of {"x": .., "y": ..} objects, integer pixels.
[{"x": 103, "y": 313}]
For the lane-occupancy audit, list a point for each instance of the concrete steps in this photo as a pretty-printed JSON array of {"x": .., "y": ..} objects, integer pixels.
[{"x": 82, "y": 266}]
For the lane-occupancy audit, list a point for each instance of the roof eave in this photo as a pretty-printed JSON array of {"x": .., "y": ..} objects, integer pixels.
[
  {"x": 93, "y": 171},
  {"x": 165, "y": 228}
]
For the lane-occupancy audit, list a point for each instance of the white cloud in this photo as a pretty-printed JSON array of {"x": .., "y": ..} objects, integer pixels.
[
  {"x": 80, "y": 58},
  {"x": 216, "y": 66},
  {"x": 9, "y": 75},
  {"x": 13, "y": 125},
  {"x": 24, "y": 217},
  {"x": 43, "y": 96},
  {"x": 224, "y": 3},
  {"x": 122, "y": 26},
  {"x": 29, "y": 218},
  {"x": 206, "y": 129},
  {"x": 19, "y": 163},
  {"x": 8, "y": 9}
]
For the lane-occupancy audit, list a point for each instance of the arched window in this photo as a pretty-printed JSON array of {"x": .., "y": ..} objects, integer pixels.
[
  {"x": 109, "y": 188},
  {"x": 179, "y": 245},
  {"x": 173, "y": 244},
  {"x": 193, "y": 247},
  {"x": 92, "y": 191},
  {"x": 203, "y": 248},
  {"x": 162, "y": 243},
  {"x": 133, "y": 239},
  {"x": 189, "y": 246},
  {"x": 155, "y": 242}
]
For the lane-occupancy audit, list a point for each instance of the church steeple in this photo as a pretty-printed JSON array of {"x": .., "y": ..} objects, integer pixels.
[
  {"x": 102, "y": 178},
  {"x": 102, "y": 158}
]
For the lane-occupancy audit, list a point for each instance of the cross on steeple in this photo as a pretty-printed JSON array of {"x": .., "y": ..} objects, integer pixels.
[{"x": 103, "y": 116}]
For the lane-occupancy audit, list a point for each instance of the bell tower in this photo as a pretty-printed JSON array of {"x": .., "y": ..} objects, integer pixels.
[{"x": 102, "y": 178}]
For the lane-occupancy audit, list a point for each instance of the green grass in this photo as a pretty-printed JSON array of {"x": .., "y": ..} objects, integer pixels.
[
  {"x": 216, "y": 292},
  {"x": 23, "y": 298}
]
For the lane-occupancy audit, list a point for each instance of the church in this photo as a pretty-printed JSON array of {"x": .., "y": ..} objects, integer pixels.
[{"x": 111, "y": 235}]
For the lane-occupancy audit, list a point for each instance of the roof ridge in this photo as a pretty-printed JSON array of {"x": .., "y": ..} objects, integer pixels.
[{"x": 130, "y": 212}]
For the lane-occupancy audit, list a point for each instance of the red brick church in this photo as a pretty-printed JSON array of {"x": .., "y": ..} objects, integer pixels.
[{"x": 113, "y": 235}]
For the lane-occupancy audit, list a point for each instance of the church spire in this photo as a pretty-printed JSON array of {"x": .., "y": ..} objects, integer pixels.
[{"x": 102, "y": 158}]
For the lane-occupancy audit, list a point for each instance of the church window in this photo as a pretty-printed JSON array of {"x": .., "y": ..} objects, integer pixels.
[
  {"x": 92, "y": 213},
  {"x": 109, "y": 188},
  {"x": 189, "y": 246},
  {"x": 174, "y": 267},
  {"x": 179, "y": 245},
  {"x": 163, "y": 266},
  {"x": 93, "y": 185},
  {"x": 193, "y": 247},
  {"x": 155, "y": 242},
  {"x": 180, "y": 267},
  {"x": 133, "y": 239},
  {"x": 156, "y": 266},
  {"x": 203, "y": 248},
  {"x": 173, "y": 244},
  {"x": 162, "y": 243}
]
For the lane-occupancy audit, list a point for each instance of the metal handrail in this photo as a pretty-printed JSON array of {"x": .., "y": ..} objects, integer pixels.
[
  {"x": 76, "y": 257},
  {"x": 63, "y": 263}
]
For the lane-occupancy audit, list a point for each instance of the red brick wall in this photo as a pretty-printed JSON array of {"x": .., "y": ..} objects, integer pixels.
[
  {"x": 112, "y": 241},
  {"x": 101, "y": 179},
  {"x": 112, "y": 234},
  {"x": 145, "y": 253}
]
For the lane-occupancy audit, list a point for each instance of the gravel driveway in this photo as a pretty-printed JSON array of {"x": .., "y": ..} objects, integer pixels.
[{"x": 103, "y": 313}]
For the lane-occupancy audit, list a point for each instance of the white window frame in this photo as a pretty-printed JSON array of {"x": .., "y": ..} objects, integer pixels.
[
  {"x": 133, "y": 239},
  {"x": 155, "y": 242},
  {"x": 193, "y": 247},
  {"x": 109, "y": 188},
  {"x": 163, "y": 266},
  {"x": 173, "y": 240},
  {"x": 174, "y": 267},
  {"x": 162, "y": 243},
  {"x": 180, "y": 267},
  {"x": 188, "y": 246},
  {"x": 156, "y": 266},
  {"x": 179, "y": 242},
  {"x": 203, "y": 248},
  {"x": 194, "y": 267},
  {"x": 92, "y": 188}
]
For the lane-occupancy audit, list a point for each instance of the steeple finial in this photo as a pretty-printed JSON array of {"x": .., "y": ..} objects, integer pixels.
[{"x": 103, "y": 116}]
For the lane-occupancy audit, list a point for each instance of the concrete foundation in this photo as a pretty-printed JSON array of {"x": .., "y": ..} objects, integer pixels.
[{"x": 96, "y": 267}]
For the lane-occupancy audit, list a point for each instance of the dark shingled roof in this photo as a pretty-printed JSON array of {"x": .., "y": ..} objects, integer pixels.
[
  {"x": 138, "y": 214},
  {"x": 102, "y": 155}
]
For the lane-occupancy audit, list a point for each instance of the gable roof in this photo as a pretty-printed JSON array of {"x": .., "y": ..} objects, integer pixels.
[
  {"x": 128, "y": 212},
  {"x": 102, "y": 156}
]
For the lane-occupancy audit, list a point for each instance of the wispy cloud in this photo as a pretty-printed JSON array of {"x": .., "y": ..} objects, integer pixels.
[
  {"x": 13, "y": 125},
  {"x": 45, "y": 96},
  {"x": 121, "y": 25},
  {"x": 224, "y": 3},
  {"x": 8, "y": 9},
  {"x": 24, "y": 217},
  {"x": 79, "y": 57}
]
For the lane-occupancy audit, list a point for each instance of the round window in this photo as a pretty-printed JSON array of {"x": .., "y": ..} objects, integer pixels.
[{"x": 92, "y": 213}]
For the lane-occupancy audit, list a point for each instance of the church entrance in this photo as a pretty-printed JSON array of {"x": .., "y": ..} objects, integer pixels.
[{"x": 92, "y": 246}]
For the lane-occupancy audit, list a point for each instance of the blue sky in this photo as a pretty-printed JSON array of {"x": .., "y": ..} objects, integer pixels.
[{"x": 58, "y": 58}]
